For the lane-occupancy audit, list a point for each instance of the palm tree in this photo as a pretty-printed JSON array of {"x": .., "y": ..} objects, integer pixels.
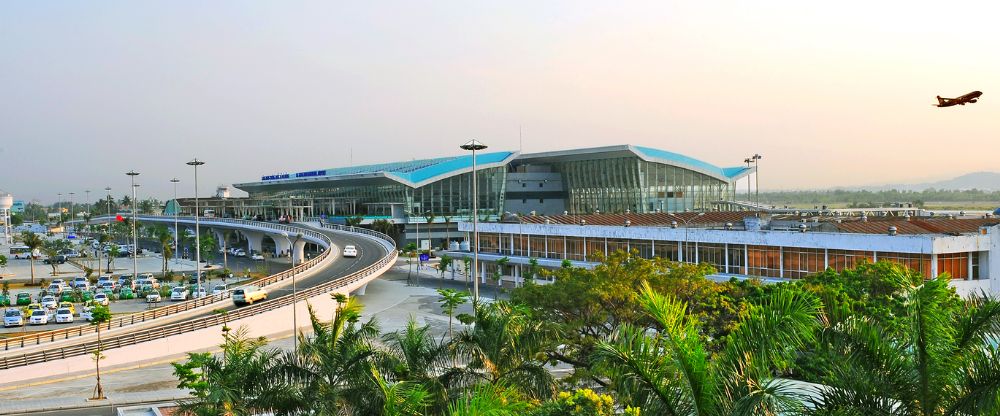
[
  {"x": 490, "y": 400},
  {"x": 414, "y": 357},
  {"x": 944, "y": 361},
  {"x": 501, "y": 264},
  {"x": 405, "y": 398},
  {"x": 503, "y": 348},
  {"x": 450, "y": 300},
  {"x": 166, "y": 240},
  {"x": 33, "y": 242},
  {"x": 240, "y": 382},
  {"x": 667, "y": 369},
  {"x": 331, "y": 371},
  {"x": 113, "y": 253}
]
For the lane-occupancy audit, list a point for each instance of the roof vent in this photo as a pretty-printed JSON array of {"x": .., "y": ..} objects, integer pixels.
[
  {"x": 565, "y": 212},
  {"x": 533, "y": 213},
  {"x": 583, "y": 222},
  {"x": 803, "y": 228},
  {"x": 962, "y": 213},
  {"x": 548, "y": 221},
  {"x": 892, "y": 230},
  {"x": 628, "y": 223},
  {"x": 673, "y": 224},
  {"x": 597, "y": 211},
  {"x": 628, "y": 211},
  {"x": 907, "y": 217},
  {"x": 864, "y": 218},
  {"x": 815, "y": 220},
  {"x": 729, "y": 226}
]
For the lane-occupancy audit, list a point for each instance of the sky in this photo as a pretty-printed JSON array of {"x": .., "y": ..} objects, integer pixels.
[{"x": 831, "y": 94}]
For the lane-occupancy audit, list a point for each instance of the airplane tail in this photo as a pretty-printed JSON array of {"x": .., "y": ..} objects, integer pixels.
[{"x": 940, "y": 101}]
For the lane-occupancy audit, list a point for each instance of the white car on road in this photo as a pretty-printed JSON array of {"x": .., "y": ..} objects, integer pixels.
[
  {"x": 179, "y": 293},
  {"x": 102, "y": 299},
  {"x": 13, "y": 317},
  {"x": 39, "y": 317},
  {"x": 350, "y": 251},
  {"x": 217, "y": 289},
  {"x": 256, "y": 256},
  {"x": 64, "y": 315},
  {"x": 153, "y": 297}
]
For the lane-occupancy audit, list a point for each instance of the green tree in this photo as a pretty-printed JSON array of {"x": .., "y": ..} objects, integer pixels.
[
  {"x": 504, "y": 347},
  {"x": 166, "y": 240},
  {"x": 490, "y": 400},
  {"x": 331, "y": 371},
  {"x": 409, "y": 251},
  {"x": 670, "y": 370},
  {"x": 51, "y": 249},
  {"x": 582, "y": 402},
  {"x": 99, "y": 315},
  {"x": 450, "y": 300},
  {"x": 415, "y": 357},
  {"x": 354, "y": 221},
  {"x": 443, "y": 264},
  {"x": 33, "y": 242},
  {"x": 942, "y": 360},
  {"x": 208, "y": 245},
  {"x": 240, "y": 382},
  {"x": 113, "y": 254},
  {"x": 501, "y": 265}
]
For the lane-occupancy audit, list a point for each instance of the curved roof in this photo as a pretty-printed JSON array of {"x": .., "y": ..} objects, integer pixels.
[
  {"x": 413, "y": 173},
  {"x": 650, "y": 154}
]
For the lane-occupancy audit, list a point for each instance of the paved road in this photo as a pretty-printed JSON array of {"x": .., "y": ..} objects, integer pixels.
[{"x": 369, "y": 252}]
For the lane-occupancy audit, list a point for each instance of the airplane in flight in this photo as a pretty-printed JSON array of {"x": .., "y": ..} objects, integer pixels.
[{"x": 967, "y": 98}]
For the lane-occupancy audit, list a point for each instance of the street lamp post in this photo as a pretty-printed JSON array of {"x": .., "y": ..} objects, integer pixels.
[
  {"x": 197, "y": 224},
  {"x": 109, "y": 208},
  {"x": 748, "y": 161},
  {"x": 135, "y": 240},
  {"x": 59, "y": 222},
  {"x": 295, "y": 312},
  {"x": 87, "y": 192},
  {"x": 175, "y": 181},
  {"x": 756, "y": 175},
  {"x": 474, "y": 145},
  {"x": 72, "y": 210}
]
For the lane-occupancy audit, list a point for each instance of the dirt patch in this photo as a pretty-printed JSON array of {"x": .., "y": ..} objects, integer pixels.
[{"x": 153, "y": 386}]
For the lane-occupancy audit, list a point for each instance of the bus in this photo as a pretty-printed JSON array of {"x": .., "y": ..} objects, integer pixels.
[
  {"x": 22, "y": 252},
  {"x": 209, "y": 213}
]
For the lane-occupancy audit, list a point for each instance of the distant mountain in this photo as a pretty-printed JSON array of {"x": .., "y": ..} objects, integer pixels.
[{"x": 987, "y": 181}]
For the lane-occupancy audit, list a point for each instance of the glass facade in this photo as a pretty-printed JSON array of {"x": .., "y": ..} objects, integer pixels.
[
  {"x": 616, "y": 185},
  {"x": 448, "y": 196},
  {"x": 737, "y": 259}
]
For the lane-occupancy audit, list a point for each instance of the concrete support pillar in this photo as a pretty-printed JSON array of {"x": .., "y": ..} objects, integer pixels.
[
  {"x": 361, "y": 291},
  {"x": 281, "y": 244},
  {"x": 482, "y": 272},
  {"x": 254, "y": 240},
  {"x": 934, "y": 265},
  {"x": 298, "y": 252},
  {"x": 968, "y": 275},
  {"x": 220, "y": 238}
]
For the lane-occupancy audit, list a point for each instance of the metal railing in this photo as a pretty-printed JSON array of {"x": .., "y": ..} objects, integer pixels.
[
  {"x": 38, "y": 338},
  {"x": 150, "y": 334}
]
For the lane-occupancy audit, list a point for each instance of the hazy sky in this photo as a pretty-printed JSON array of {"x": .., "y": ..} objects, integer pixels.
[{"x": 831, "y": 93}]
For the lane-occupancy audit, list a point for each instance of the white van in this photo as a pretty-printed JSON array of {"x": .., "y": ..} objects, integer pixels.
[{"x": 247, "y": 295}]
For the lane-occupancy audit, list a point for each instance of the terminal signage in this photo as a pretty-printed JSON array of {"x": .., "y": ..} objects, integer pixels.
[{"x": 425, "y": 257}]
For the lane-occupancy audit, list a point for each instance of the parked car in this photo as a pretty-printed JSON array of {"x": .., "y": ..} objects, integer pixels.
[
  {"x": 39, "y": 317},
  {"x": 50, "y": 302},
  {"x": 54, "y": 288},
  {"x": 217, "y": 289},
  {"x": 78, "y": 282},
  {"x": 145, "y": 282},
  {"x": 240, "y": 253},
  {"x": 106, "y": 285},
  {"x": 59, "y": 259},
  {"x": 179, "y": 293},
  {"x": 64, "y": 315},
  {"x": 153, "y": 297},
  {"x": 23, "y": 299},
  {"x": 102, "y": 299},
  {"x": 247, "y": 295},
  {"x": 350, "y": 251},
  {"x": 59, "y": 281},
  {"x": 69, "y": 253},
  {"x": 68, "y": 305},
  {"x": 256, "y": 256},
  {"x": 13, "y": 317}
]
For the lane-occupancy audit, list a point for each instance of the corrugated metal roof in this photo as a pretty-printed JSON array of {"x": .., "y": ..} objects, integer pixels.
[{"x": 918, "y": 225}]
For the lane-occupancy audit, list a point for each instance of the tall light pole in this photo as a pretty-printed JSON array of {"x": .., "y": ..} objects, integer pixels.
[
  {"x": 108, "y": 189},
  {"x": 756, "y": 175},
  {"x": 295, "y": 312},
  {"x": 474, "y": 145},
  {"x": 135, "y": 239},
  {"x": 72, "y": 210},
  {"x": 59, "y": 210},
  {"x": 87, "y": 192},
  {"x": 197, "y": 225},
  {"x": 175, "y": 181},
  {"x": 749, "y": 195}
]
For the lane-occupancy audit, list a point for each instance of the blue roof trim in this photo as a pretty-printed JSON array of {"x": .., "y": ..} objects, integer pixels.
[
  {"x": 729, "y": 173},
  {"x": 413, "y": 171}
]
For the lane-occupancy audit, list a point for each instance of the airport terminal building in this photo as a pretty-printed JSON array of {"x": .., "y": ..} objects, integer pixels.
[{"x": 432, "y": 195}]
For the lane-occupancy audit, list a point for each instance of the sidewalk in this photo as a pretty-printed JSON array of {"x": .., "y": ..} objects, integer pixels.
[{"x": 388, "y": 299}]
